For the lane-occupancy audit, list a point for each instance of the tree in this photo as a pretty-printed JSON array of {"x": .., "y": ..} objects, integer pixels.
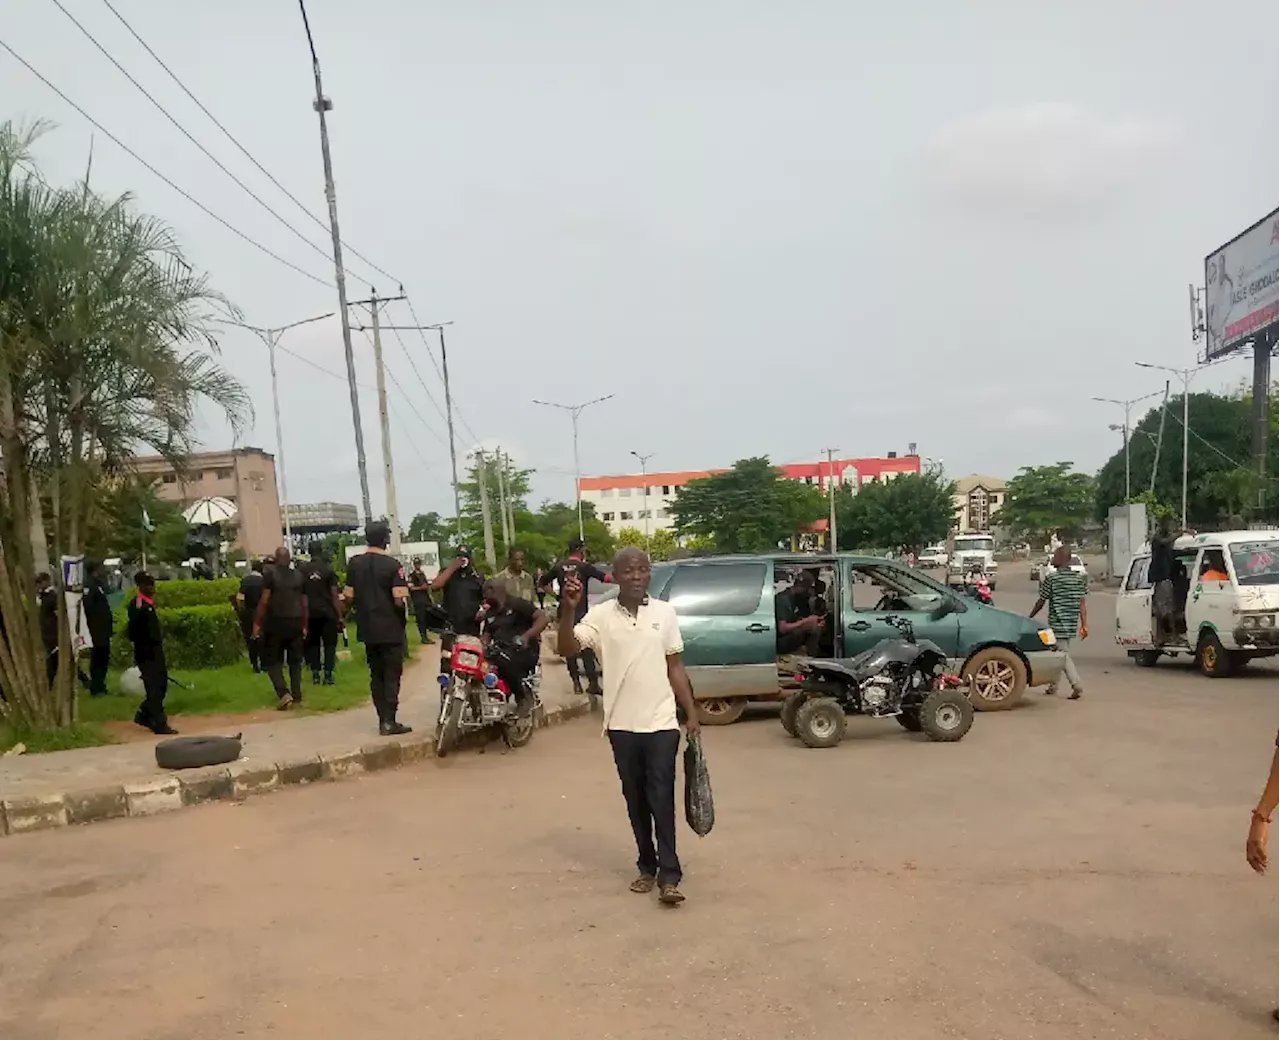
[
  {"x": 910, "y": 511},
  {"x": 114, "y": 525},
  {"x": 749, "y": 508},
  {"x": 106, "y": 348},
  {"x": 1043, "y": 500},
  {"x": 429, "y": 527}
]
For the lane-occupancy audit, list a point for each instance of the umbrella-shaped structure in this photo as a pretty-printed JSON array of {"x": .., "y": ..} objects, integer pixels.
[{"x": 209, "y": 511}]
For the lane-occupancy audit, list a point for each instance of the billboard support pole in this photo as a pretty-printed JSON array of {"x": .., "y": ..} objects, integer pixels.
[{"x": 1261, "y": 390}]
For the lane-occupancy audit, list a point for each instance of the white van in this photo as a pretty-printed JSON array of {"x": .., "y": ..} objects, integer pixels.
[{"x": 1226, "y": 595}]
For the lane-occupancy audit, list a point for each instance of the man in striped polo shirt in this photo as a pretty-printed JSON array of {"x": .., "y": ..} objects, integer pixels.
[{"x": 1064, "y": 590}]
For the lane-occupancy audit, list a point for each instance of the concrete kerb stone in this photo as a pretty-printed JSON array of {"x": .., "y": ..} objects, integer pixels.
[
  {"x": 37, "y": 813},
  {"x": 240, "y": 780},
  {"x": 105, "y": 803},
  {"x": 163, "y": 794}
]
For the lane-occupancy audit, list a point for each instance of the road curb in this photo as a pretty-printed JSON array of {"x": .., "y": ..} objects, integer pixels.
[{"x": 235, "y": 782}]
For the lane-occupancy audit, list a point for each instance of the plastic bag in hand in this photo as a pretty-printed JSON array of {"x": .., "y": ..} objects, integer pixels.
[{"x": 699, "y": 808}]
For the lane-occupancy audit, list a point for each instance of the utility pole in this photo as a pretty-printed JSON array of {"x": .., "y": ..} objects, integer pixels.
[
  {"x": 1186, "y": 375},
  {"x": 574, "y": 411},
  {"x": 1155, "y": 463},
  {"x": 322, "y": 104},
  {"x": 502, "y": 502},
  {"x": 384, "y": 420},
  {"x": 1262, "y": 348},
  {"x": 271, "y": 337},
  {"x": 511, "y": 499},
  {"x": 485, "y": 518},
  {"x": 1126, "y": 405},
  {"x": 644, "y": 475},
  {"x": 831, "y": 493}
]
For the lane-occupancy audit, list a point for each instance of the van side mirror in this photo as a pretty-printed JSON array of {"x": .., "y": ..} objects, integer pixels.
[{"x": 947, "y": 606}]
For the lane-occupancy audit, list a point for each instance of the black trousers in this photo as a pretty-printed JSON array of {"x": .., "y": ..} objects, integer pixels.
[
  {"x": 99, "y": 662},
  {"x": 254, "y": 646},
  {"x": 386, "y": 663},
  {"x": 322, "y": 635},
  {"x": 278, "y": 645},
  {"x": 155, "y": 684},
  {"x": 421, "y": 614},
  {"x": 590, "y": 666},
  {"x": 800, "y": 640},
  {"x": 647, "y": 768},
  {"x": 514, "y": 666}
]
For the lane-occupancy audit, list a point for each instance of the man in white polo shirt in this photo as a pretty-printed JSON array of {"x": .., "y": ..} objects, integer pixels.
[{"x": 638, "y": 642}]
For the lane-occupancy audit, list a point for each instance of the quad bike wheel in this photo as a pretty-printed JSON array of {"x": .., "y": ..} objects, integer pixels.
[
  {"x": 790, "y": 705},
  {"x": 820, "y": 722},
  {"x": 909, "y": 719},
  {"x": 946, "y": 715}
]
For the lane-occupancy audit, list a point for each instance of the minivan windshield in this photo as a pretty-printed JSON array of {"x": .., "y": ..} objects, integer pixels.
[
  {"x": 1256, "y": 562},
  {"x": 975, "y": 544}
]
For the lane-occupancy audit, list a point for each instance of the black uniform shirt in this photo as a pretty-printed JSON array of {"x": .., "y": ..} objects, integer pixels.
[
  {"x": 372, "y": 576},
  {"x": 514, "y": 619},
  {"x": 320, "y": 581},
  {"x": 285, "y": 586}
]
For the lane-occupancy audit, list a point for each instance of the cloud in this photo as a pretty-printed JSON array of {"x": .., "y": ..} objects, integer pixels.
[{"x": 1045, "y": 159}]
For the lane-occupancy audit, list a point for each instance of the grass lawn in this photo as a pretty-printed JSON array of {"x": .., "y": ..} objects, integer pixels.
[{"x": 232, "y": 690}]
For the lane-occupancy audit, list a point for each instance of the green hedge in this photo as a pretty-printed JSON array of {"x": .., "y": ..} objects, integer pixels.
[
  {"x": 196, "y": 593},
  {"x": 194, "y": 637}
]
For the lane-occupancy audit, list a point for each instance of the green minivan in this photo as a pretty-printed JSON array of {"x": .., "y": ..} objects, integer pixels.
[{"x": 726, "y": 610}]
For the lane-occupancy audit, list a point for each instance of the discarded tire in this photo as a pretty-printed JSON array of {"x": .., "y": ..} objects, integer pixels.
[{"x": 194, "y": 752}]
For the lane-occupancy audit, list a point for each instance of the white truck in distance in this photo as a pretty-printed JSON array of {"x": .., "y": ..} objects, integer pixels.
[{"x": 968, "y": 550}]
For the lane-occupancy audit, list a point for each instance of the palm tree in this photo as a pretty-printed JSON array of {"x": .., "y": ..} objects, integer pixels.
[{"x": 106, "y": 347}]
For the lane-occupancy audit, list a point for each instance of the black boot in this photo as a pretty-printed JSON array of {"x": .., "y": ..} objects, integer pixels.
[
  {"x": 315, "y": 677},
  {"x": 328, "y": 679},
  {"x": 392, "y": 728}
]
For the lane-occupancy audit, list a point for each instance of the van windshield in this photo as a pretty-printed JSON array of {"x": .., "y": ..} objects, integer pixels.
[
  {"x": 975, "y": 544},
  {"x": 1256, "y": 562}
]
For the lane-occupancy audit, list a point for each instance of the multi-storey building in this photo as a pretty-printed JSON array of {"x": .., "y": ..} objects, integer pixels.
[
  {"x": 977, "y": 499},
  {"x": 626, "y": 500},
  {"x": 246, "y": 477},
  {"x": 322, "y": 517}
]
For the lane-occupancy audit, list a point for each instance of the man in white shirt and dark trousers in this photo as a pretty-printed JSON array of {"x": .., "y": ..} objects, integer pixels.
[{"x": 638, "y": 642}]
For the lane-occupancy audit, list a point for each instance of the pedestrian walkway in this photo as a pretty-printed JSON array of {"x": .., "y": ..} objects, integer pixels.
[{"x": 86, "y": 784}]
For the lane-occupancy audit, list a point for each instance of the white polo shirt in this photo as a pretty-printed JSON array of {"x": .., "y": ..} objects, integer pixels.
[{"x": 633, "y": 651}]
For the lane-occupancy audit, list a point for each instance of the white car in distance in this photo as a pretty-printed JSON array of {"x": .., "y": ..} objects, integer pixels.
[
  {"x": 1040, "y": 571},
  {"x": 933, "y": 556}
]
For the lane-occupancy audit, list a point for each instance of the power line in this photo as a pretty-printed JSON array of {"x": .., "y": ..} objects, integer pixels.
[
  {"x": 186, "y": 195},
  {"x": 409, "y": 357},
  {"x": 231, "y": 137},
  {"x": 407, "y": 399},
  {"x": 462, "y": 419},
  {"x": 188, "y": 135}
]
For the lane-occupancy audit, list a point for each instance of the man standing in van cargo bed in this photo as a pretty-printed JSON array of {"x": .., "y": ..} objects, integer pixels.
[{"x": 1064, "y": 590}]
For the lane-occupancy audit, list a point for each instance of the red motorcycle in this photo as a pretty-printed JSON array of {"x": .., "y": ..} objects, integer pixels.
[{"x": 473, "y": 696}]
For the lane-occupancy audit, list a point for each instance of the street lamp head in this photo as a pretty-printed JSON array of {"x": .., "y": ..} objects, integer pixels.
[{"x": 1115, "y": 426}]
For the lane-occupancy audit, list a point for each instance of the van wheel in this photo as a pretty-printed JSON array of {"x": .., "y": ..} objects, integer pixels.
[
  {"x": 1146, "y": 658},
  {"x": 999, "y": 678},
  {"x": 1214, "y": 661},
  {"x": 721, "y": 711}
]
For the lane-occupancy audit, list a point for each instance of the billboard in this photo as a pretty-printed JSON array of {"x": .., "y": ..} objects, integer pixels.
[{"x": 1241, "y": 283}]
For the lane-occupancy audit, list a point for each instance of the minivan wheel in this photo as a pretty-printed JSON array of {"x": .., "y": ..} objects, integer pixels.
[
  {"x": 999, "y": 678},
  {"x": 1213, "y": 660},
  {"x": 721, "y": 711},
  {"x": 1145, "y": 658}
]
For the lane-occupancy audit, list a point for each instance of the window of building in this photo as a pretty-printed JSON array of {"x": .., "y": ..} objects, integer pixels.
[
  {"x": 662, "y": 514},
  {"x": 170, "y": 478},
  {"x": 606, "y": 492},
  {"x": 624, "y": 492},
  {"x": 606, "y": 516},
  {"x": 666, "y": 489},
  {"x": 642, "y": 515},
  {"x": 716, "y": 588},
  {"x": 222, "y": 474},
  {"x": 624, "y": 516}
]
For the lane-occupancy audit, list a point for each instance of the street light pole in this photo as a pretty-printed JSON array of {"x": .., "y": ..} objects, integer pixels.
[
  {"x": 271, "y": 337},
  {"x": 1126, "y": 405},
  {"x": 1186, "y": 375},
  {"x": 574, "y": 411},
  {"x": 322, "y": 104},
  {"x": 644, "y": 475}
]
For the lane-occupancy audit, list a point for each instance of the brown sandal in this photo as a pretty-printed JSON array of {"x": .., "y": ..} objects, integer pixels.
[
  {"x": 670, "y": 895},
  {"x": 644, "y": 883}
]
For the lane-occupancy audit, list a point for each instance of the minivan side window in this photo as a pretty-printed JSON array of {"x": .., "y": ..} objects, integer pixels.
[
  {"x": 711, "y": 589},
  {"x": 1213, "y": 566},
  {"x": 1138, "y": 571}
]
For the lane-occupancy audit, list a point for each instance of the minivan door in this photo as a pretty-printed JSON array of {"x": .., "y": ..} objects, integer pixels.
[
  {"x": 1133, "y": 607},
  {"x": 726, "y": 619},
  {"x": 874, "y": 591}
]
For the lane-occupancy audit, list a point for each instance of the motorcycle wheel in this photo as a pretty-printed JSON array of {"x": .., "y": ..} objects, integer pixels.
[
  {"x": 447, "y": 738},
  {"x": 946, "y": 715},
  {"x": 790, "y": 705},
  {"x": 519, "y": 731}
]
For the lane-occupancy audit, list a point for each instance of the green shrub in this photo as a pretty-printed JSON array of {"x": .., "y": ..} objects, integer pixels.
[
  {"x": 194, "y": 637},
  {"x": 196, "y": 593}
]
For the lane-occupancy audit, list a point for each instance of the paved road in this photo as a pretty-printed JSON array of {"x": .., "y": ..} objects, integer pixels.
[{"x": 1071, "y": 869}]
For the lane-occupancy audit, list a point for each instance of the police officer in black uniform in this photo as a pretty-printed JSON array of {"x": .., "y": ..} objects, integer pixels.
[
  {"x": 246, "y": 602},
  {"x": 377, "y": 587},
  {"x": 145, "y": 633},
  {"x": 324, "y": 617},
  {"x": 97, "y": 616},
  {"x": 463, "y": 593},
  {"x": 420, "y": 597}
]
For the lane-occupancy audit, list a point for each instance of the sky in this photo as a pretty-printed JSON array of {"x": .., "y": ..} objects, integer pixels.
[{"x": 764, "y": 229}]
